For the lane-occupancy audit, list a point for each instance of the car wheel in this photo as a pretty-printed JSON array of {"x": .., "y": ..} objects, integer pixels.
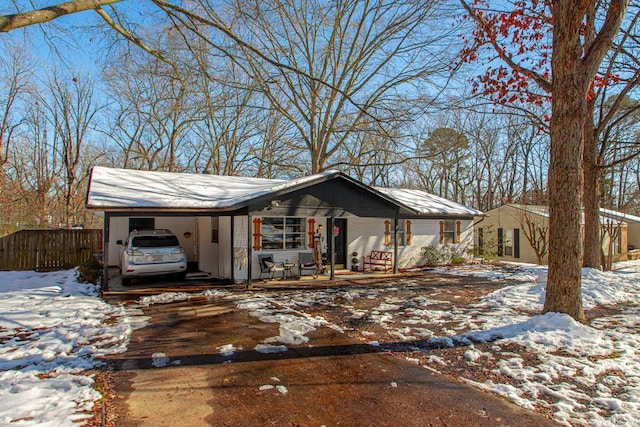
[{"x": 126, "y": 281}]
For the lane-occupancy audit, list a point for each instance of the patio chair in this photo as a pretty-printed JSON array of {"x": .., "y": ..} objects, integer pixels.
[
  {"x": 268, "y": 266},
  {"x": 307, "y": 263}
]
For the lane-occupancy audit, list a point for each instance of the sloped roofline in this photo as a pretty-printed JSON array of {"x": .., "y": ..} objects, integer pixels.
[
  {"x": 114, "y": 189},
  {"x": 123, "y": 190},
  {"x": 424, "y": 204},
  {"x": 543, "y": 211}
]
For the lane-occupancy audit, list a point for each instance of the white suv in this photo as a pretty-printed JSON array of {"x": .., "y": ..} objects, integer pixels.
[{"x": 151, "y": 253}]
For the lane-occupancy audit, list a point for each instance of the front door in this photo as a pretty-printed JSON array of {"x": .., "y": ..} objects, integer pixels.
[{"x": 340, "y": 235}]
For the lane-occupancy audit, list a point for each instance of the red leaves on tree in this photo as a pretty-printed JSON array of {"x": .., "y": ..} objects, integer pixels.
[{"x": 519, "y": 34}]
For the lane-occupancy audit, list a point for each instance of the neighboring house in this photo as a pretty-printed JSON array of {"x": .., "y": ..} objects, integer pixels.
[
  {"x": 520, "y": 233},
  {"x": 225, "y": 222},
  {"x": 633, "y": 226}
]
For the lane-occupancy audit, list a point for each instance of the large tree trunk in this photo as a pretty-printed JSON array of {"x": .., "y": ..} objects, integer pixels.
[
  {"x": 564, "y": 292},
  {"x": 572, "y": 74},
  {"x": 592, "y": 244}
]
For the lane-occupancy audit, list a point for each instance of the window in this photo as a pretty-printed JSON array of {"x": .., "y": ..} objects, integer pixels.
[
  {"x": 283, "y": 233},
  {"x": 215, "y": 229},
  {"x": 154, "y": 241},
  {"x": 401, "y": 241},
  {"x": 449, "y": 232},
  {"x": 509, "y": 242}
]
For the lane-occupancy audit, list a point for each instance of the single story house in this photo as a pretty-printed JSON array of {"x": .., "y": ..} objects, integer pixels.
[
  {"x": 519, "y": 233},
  {"x": 225, "y": 222}
]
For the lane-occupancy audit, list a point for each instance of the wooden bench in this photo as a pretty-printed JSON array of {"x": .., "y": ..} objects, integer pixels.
[{"x": 378, "y": 260}]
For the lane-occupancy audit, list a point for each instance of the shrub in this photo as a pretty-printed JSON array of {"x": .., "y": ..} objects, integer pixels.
[
  {"x": 443, "y": 255},
  {"x": 457, "y": 260},
  {"x": 430, "y": 255},
  {"x": 489, "y": 249},
  {"x": 90, "y": 271}
]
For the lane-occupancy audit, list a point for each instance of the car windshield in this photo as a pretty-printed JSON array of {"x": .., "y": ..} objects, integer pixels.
[{"x": 154, "y": 241}]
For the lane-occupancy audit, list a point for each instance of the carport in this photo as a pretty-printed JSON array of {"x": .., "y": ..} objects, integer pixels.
[{"x": 235, "y": 207}]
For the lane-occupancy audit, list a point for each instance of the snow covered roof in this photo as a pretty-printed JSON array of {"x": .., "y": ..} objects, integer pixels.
[
  {"x": 605, "y": 214},
  {"x": 127, "y": 188},
  {"x": 424, "y": 203},
  {"x": 543, "y": 211},
  {"x": 123, "y": 189},
  {"x": 619, "y": 215}
]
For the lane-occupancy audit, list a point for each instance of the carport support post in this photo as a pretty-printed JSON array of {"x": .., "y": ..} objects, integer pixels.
[
  {"x": 332, "y": 249},
  {"x": 395, "y": 245},
  {"x": 249, "y": 253},
  {"x": 105, "y": 252},
  {"x": 233, "y": 264}
]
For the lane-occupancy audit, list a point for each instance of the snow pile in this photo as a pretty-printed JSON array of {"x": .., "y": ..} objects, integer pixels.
[
  {"x": 164, "y": 298},
  {"x": 294, "y": 325},
  {"x": 159, "y": 360},
  {"x": 52, "y": 328},
  {"x": 228, "y": 350},
  {"x": 603, "y": 358},
  {"x": 598, "y": 288}
]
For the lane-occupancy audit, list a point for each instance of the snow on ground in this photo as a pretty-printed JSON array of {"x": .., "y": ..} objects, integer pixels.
[
  {"x": 52, "y": 329},
  {"x": 585, "y": 375},
  {"x": 294, "y": 324},
  {"x": 603, "y": 357}
]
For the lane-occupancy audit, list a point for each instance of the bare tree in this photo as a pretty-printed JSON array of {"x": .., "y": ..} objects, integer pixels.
[
  {"x": 610, "y": 241},
  {"x": 14, "y": 82},
  {"x": 494, "y": 167},
  {"x": 606, "y": 113},
  {"x": 36, "y": 168},
  {"x": 327, "y": 67},
  {"x": 536, "y": 231},
  {"x": 154, "y": 108},
  {"x": 71, "y": 108}
]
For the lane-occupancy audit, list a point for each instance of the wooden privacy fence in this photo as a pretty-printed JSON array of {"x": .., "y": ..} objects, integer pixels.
[{"x": 48, "y": 250}]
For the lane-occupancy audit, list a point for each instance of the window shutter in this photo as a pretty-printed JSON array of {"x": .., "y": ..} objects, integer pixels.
[
  {"x": 408, "y": 231},
  {"x": 442, "y": 232},
  {"x": 516, "y": 243},
  {"x": 257, "y": 234},
  {"x": 458, "y": 223},
  {"x": 311, "y": 232},
  {"x": 387, "y": 233},
  {"x": 500, "y": 242}
]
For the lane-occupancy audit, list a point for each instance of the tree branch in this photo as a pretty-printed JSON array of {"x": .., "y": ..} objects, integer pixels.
[
  {"x": 39, "y": 16},
  {"x": 543, "y": 83},
  {"x": 603, "y": 41},
  {"x": 135, "y": 40},
  {"x": 174, "y": 10}
]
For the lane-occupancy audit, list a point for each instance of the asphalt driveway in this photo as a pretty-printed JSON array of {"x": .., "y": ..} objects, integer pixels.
[{"x": 196, "y": 364}]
